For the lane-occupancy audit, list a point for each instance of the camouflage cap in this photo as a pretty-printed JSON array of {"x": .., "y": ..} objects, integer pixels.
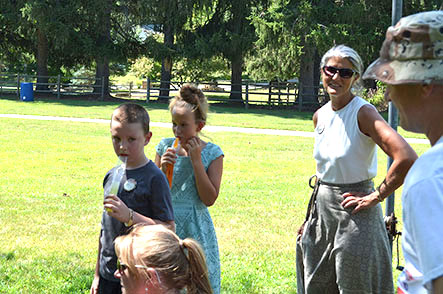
[{"x": 412, "y": 51}]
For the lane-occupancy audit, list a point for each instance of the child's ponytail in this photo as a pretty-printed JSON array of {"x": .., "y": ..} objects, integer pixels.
[{"x": 199, "y": 280}]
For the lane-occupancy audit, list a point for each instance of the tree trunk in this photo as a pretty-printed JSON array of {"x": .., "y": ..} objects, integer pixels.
[
  {"x": 236, "y": 80},
  {"x": 236, "y": 53},
  {"x": 42, "y": 60},
  {"x": 102, "y": 75},
  {"x": 307, "y": 61},
  {"x": 104, "y": 49},
  {"x": 166, "y": 72},
  {"x": 317, "y": 75}
]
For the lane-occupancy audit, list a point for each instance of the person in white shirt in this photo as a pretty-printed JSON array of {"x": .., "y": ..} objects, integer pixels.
[
  {"x": 344, "y": 247},
  {"x": 411, "y": 64}
]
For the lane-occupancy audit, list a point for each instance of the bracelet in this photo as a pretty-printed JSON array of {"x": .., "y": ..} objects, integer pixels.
[
  {"x": 131, "y": 218},
  {"x": 380, "y": 199}
]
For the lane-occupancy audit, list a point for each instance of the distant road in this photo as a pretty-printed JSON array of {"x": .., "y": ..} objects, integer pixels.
[{"x": 207, "y": 128}]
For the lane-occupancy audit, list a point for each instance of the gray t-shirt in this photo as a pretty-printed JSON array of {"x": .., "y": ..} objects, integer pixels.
[{"x": 148, "y": 195}]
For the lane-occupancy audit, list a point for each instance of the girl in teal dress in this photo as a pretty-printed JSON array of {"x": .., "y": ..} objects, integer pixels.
[{"x": 197, "y": 173}]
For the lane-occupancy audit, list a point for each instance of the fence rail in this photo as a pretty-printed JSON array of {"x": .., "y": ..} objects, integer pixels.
[
  {"x": 259, "y": 93},
  {"x": 56, "y": 85},
  {"x": 271, "y": 94}
]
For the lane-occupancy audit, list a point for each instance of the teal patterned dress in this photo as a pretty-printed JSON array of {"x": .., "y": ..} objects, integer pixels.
[{"x": 192, "y": 218}]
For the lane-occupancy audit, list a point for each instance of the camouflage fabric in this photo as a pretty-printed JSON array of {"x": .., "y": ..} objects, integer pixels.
[{"x": 412, "y": 51}]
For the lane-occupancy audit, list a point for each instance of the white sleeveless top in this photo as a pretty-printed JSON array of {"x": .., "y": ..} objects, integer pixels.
[{"x": 344, "y": 155}]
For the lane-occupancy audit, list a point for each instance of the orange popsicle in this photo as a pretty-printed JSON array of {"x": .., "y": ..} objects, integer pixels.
[{"x": 170, "y": 169}]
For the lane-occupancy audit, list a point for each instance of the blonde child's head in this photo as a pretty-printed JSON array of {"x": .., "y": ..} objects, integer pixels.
[
  {"x": 192, "y": 98},
  {"x": 152, "y": 252}
]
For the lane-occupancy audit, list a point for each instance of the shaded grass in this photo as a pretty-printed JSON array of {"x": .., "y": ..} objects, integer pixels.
[{"x": 51, "y": 204}]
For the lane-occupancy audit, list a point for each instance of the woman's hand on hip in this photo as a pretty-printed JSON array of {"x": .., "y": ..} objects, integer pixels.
[{"x": 359, "y": 201}]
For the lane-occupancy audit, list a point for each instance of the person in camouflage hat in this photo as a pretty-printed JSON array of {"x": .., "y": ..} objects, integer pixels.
[
  {"x": 412, "y": 51},
  {"x": 411, "y": 64}
]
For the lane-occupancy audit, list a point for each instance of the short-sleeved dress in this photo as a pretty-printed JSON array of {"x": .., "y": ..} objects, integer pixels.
[{"x": 192, "y": 217}]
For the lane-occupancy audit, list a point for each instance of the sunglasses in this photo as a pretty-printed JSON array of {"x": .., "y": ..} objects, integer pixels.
[
  {"x": 121, "y": 267},
  {"x": 345, "y": 73}
]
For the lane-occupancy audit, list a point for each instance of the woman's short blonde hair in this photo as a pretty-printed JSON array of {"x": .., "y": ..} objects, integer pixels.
[{"x": 180, "y": 263}]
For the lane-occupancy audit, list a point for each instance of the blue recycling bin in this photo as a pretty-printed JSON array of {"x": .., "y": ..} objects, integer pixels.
[{"x": 26, "y": 92}]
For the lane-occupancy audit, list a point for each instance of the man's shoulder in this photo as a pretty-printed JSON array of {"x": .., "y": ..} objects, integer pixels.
[
  {"x": 427, "y": 168},
  {"x": 430, "y": 162}
]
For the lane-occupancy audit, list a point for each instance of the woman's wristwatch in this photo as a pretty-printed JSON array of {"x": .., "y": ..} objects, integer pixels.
[
  {"x": 380, "y": 199},
  {"x": 131, "y": 218}
]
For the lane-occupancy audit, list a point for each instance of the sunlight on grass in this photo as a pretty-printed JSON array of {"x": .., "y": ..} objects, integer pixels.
[{"x": 51, "y": 176}]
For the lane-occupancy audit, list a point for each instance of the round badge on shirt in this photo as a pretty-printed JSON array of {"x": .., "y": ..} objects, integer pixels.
[{"x": 130, "y": 185}]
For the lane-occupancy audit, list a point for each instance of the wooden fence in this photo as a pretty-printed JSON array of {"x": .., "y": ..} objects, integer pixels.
[
  {"x": 56, "y": 85},
  {"x": 270, "y": 94}
]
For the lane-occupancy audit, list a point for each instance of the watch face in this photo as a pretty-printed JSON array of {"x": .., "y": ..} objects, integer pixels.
[{"x": 130, "y": 185}]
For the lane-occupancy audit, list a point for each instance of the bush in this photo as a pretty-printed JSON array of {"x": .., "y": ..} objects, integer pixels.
[
  {"x": 377, "y": 97},
  {"x": 126, "y": 80},
  {"x": 146, "y": 67}
]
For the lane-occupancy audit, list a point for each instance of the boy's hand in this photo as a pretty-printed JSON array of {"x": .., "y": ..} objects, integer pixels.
[
  {"x": 194, "y": 148},
  {"x": 94, "y": 286},
  {"x": 117, "y": 208},
  {"x": 168, "y": 158}
]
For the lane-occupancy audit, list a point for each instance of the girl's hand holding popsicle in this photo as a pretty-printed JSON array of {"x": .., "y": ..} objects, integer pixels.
[{"x": 168, "y": 160}]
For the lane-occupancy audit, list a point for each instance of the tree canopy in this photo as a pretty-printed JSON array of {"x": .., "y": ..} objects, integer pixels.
[{"x": 255, "y": 39}]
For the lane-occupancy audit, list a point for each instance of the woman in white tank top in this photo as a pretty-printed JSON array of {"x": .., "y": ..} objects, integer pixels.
[{"x": 344, "y": 246}]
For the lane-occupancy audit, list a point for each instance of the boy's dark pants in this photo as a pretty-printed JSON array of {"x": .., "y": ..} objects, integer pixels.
[{"x": 108, "y": 287}]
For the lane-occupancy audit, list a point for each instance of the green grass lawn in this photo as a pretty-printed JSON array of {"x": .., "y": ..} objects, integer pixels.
[{"x": 51, "y": 198}]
